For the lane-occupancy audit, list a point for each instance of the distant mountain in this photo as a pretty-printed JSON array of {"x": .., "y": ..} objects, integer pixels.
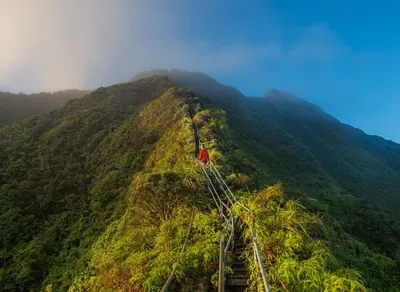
[
  {"x": 333, "y": 167},
  {"x": 14, "y": 107},
  {"x": 98, "y": 195},
  {"x": 201, "y": 83},
  {"x": 365, "y": 166},
  {"x": 293, "y": 105}
]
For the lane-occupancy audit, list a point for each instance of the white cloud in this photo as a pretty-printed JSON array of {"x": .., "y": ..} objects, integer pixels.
[
  {"x": 48, "y": 44},
  {"x": 54, "y": 44}
]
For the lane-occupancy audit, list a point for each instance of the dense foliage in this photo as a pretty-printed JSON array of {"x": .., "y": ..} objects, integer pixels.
[
  {"x": 352, "y": 179},
  {"x": 99, "y": 194},
  {"x": 292, "y": 246},
  {"x": 65, "y": 177},
  {"x": 14, "y": 107},
  {"x": 345, "y": 257}
]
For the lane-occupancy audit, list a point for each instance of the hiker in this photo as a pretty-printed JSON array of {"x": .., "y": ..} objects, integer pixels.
[{"x": 203, "y": 155}]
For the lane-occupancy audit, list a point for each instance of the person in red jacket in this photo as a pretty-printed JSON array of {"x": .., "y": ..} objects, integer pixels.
[{"x": 203, "y": 155}]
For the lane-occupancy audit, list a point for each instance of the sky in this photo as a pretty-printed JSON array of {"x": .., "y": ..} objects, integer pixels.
[{"x": 341, "y": 55}]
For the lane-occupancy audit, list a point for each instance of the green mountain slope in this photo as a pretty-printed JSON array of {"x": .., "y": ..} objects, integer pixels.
[
  {"x": 65, "y": 176},
  {"x": 98, "y": 195},
  {"x": 334, "y": 169},
  {"x": 284, "y": 127},
  {"x": 365, "y": 166},
  {"x": 14, "y": 107}
]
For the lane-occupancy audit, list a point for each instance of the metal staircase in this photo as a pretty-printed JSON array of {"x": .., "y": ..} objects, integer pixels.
[{"x": 237, "y": 281}]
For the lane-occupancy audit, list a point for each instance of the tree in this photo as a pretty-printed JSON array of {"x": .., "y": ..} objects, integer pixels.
[{"x": 158, "y": 194}]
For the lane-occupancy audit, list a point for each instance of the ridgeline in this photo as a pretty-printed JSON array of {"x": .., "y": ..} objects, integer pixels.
[{"x": 98, "y": 195}]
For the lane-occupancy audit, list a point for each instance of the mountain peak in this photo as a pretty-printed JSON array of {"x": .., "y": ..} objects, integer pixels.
[
  {"x": 201, "y": 83},
  {"x": 297, "y": 106},
  {"x": 272, "y": 92},
  {"x": 277, "y": 95}
]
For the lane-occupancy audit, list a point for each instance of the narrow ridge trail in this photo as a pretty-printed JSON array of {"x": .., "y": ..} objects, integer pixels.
[
  {"x": 238, "y": 279},
  {"x": 232, "y": 243}
]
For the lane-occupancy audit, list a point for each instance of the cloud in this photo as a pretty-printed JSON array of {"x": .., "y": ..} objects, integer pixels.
[
  {"x": 49, "y": 45},
  {"x": 202, "y": 56},
  {"x": 315, "y": 43},
  {"x": 54, "y": 44}
]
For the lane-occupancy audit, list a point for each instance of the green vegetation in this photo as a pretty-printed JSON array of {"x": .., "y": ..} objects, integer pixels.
[
  {"x": 65, "y": 177},
  {"x": 351, "y": 179},
  {"x": 343, "y": 260},
  {"x": 292, "y": 245},
  {"x": 98, "y": 195},
  {"x": 14, "y": 107}
]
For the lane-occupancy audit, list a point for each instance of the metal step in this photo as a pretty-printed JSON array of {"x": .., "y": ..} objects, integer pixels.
[
  {"x": 239, "y": 245},
  {"x": 237, "y": 266},
  {"x": 239, "y": 270},
  {"x": 238, "y": 282}
]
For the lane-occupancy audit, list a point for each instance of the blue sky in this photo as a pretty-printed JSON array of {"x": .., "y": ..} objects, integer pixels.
[
  {"x": 358, "y": 79},
  {"x": 341, "y": 55}
]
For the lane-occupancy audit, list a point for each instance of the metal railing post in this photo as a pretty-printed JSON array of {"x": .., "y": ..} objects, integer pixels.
[
  {"x": 172, "y": 275},
  {"x": 230, "y": 240},
  {"x": 258, "y": 257},
  {"x": 221, "y": 274}
]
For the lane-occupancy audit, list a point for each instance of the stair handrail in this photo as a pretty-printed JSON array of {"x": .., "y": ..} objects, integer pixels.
[
  {"x": 230, "y": 239},
  {"x": 229, "y": 190},
  {"x": 172, "y": 275},
  {"x": 221, "y": 185},
  {"x": 214, "y": 191},
  {"x": 223, "y": 249},
  {"x": 257, "y": 257}
]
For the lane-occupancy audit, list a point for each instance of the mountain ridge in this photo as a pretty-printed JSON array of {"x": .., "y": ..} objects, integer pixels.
[
  {"x": 80, "y": 190},
  {"x": 290, "y": 139},
  {"x": 14, "y": 107}
]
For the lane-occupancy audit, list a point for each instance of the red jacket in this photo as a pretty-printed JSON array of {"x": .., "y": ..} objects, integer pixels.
[{"x": 203, "y": 155}]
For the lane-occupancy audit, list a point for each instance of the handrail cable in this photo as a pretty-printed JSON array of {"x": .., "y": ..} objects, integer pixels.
[
  {"x": 221, "y": 203},
  {"x": 239, "y": 203},
  {"x": 219, "y": 175},
  {"x": 223, "y": 249},
  {"x": 172, "y": 275},
  {"x": 219, "y": 181},
  {"x": 258, "y": 258},
  {"x": 222, "y": 183},
  {"x": 254, "y": 239},
  {"x": 215, "y": 191},
  {"x": 215, "y": 201},
  {"x": 219, "y": 207},
  {"x": 230, "y": 239},
  {"x": 230, "y": 221}
]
